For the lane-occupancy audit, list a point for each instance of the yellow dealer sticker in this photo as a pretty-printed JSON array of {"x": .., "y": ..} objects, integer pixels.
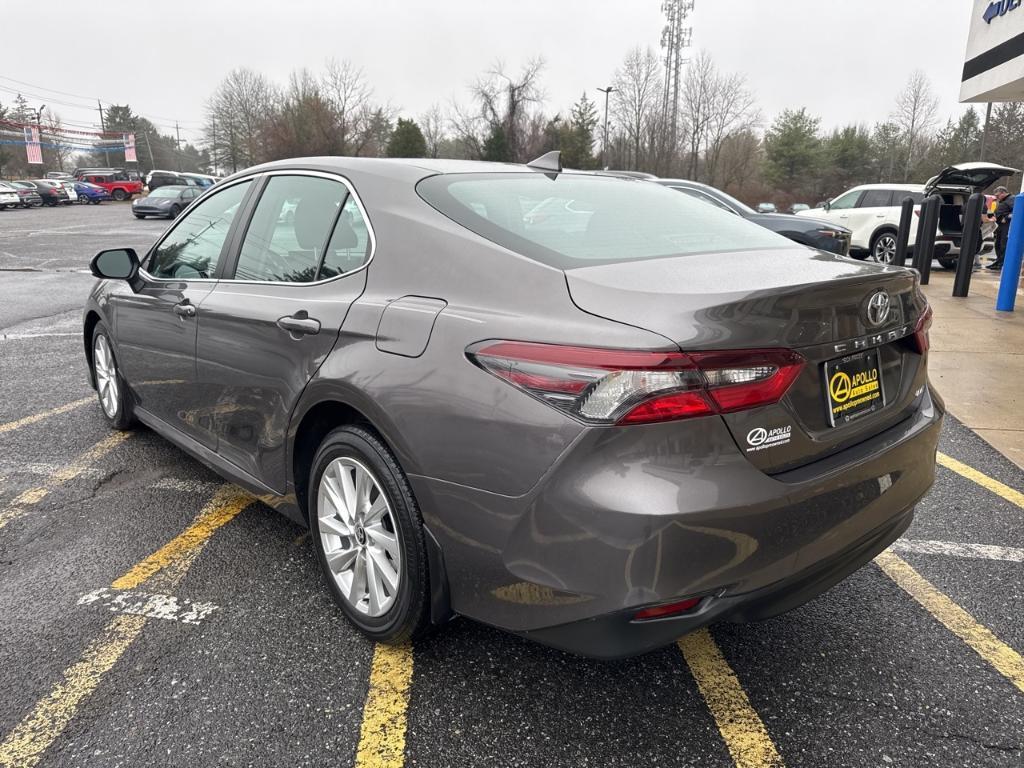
[{"x": 854, "y": 386}]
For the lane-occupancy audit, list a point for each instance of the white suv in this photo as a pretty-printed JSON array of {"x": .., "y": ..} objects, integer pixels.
[{"x": 872, "y": 211}]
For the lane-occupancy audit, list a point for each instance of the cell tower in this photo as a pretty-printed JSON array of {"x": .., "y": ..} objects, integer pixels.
[{"x": 675, "y": 40}]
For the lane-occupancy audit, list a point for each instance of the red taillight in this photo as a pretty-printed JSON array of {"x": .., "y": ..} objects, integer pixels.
[
  {"x": 924, "y": 322},
  {"x": 605, "y": 386},
  {"x": 669, "y": 609}
]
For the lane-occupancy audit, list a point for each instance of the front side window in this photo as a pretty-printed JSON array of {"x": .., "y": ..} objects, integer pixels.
[
  {"x": 288, "y": 234},
  {"x": 849, "y": 200},
  {"x": 575, "y": 220},
  {"x": 876, "y": 198},
  {"x": 192, "y": 249}
]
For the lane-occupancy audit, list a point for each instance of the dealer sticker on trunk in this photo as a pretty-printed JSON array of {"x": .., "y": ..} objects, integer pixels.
[
  {"x": 761, "y": 438},
  {"x": 854, "y": 386}
]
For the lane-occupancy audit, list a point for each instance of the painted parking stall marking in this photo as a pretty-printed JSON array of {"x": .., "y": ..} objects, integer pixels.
[
  {"x": 152, "y": 605},
  {"x": 24, "y": 422},
  {"x": 382, "y": 736},
  {"x": 741, "y": 727},
  {"x": 27, "y": 499},
  {"x": 956, "y": 549},
  {"x": 999, "y": 489},
  {"x": 25, "y": 746}
]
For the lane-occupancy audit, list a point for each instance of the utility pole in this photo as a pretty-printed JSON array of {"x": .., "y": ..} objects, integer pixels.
[
  {"x": 103, "y": 127},
  {"x": 984, "y": 133},
  {"x": 149, "y": 149},
  {"x": 177, "y": 143},
  {"x": 604, "y": 141},
  {"x": 39, "y": 127}
]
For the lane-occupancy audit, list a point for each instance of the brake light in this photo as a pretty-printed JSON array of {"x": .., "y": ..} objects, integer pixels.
[
  {"x": 605, "y": 386},
  {"x": 924, "y": 323}
]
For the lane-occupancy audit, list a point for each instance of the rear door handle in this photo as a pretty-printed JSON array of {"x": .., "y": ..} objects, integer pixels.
[
  {"x": 300, "y": 324},
  {"x": 185, "y": 309}
]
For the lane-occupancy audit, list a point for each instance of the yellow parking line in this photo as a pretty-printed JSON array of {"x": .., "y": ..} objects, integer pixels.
[
  {"x": 25, "y": 745},
  {"x": 742, "y": 730},
  {"x": 999, "y": 489},
  {"x": 382, "y": 738},
  {"x": 28, "y": 498},
  {"x": 226, "y": 503},
  {"x": 13, "y": 425},
  {"x": 958, "y": 621}
]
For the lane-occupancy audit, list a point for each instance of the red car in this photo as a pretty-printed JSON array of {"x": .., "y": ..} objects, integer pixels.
[{"x": 119, "y": 186}]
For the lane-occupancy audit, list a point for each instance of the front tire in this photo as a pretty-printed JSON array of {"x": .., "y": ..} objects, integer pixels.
[
  {"x": 948, "y": 263},
  {"x": 368, "y": 535},
  {"x": 138, "y": 215},
  {"x": 111, "y": 389},
  {"x": 175, "y": 210},
  {"x": 883, "y": 247}
]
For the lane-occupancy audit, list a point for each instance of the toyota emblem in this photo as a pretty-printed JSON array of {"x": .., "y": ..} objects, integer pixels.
[{"x": 878, "y": 309}]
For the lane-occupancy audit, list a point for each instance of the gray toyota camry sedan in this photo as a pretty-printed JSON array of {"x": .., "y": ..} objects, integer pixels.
[{"x": 582, "y": 408}]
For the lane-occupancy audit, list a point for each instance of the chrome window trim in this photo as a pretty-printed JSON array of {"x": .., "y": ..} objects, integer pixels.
[
  {"x": 181, "y": 216},
  {"x": 362, "y": 211}
]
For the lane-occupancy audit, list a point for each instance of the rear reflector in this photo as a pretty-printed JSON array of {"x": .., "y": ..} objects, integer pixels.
[
  {"x": 606, "y": 386},
  {"x": 669, "y": 609}
]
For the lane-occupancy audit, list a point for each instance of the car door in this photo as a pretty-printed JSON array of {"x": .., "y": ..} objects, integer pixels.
[
  {"x": 268, "y": 326},
  {"x": 871, "y": 212},
  {"x": 840, "y": 211},
  {"x": 155, "y": 327}
]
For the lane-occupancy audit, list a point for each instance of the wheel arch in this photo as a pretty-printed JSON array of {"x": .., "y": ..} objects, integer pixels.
[{"x": 92, "y": 319}]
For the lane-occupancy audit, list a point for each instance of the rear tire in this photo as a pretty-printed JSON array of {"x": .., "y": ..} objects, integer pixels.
[
  {"x": 883, "y": 247},
  {"x": 119, "y": 195},
  {"x": 115, "y": 402},
  {"x": 948, "y": 263},
  {"x": 372, "y": 534}
]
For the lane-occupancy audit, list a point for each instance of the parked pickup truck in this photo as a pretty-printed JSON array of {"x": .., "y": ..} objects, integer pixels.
[{"x": 118, "y": 185}]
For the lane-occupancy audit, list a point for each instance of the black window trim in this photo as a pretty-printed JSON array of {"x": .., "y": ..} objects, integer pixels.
[{"x": 231, "y": 262}]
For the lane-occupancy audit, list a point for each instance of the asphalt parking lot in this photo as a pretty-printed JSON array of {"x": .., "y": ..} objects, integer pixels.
[{"x": 152, "y": 615}]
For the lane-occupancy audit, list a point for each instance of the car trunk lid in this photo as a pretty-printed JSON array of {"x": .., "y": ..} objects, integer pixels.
[
  {"x": 812, "y": 303},
  {"x": 968, "y": 177}
]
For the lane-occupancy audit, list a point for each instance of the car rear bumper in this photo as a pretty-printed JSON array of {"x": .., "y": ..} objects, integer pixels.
[{"x": 634, "y": 517}]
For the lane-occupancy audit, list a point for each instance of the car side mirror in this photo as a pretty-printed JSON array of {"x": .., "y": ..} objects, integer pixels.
[
  {"x": 116, "y": 264},
  {"x": 828, "y": 205}
]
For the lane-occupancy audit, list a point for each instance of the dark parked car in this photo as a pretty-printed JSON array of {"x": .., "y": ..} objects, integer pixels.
[
  {"x": 165, "y": 201},
  {"x": 52, "y": 192},
  {"x": 809, "y": 232},
  {"x": 641, "y": 434},
  {"x": 158, "y": 179},
  {"x": 30, "y": 197},
  {"x": 91, "y": 193}
]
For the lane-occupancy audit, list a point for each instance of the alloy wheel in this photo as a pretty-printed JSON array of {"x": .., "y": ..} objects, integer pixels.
[
  {"x": 359, "y": 537},
  {"x": 106, "y": 375},
  {"x": 885, "y": 249}
]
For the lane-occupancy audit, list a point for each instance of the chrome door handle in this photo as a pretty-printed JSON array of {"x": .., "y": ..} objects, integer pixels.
[
  {"x": 300, "y": 324},
  {"x": 185, "y": 309}
]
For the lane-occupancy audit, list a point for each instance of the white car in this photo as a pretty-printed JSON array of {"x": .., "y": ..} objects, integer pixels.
[
  {"x": 872, "y": 211},
  {"x": 8, "y": 197},
  {"x": 69, "y": 187}
]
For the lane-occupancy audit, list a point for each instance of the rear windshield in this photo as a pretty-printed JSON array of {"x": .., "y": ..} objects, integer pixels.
[{"x": 574, "y": 220}]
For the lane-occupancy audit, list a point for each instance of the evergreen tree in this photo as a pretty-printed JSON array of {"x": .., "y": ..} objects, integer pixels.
[
  {"x": 847, "y": 159},
  {"x": 407, "y": 140},
  {"x": 792, "y": 149},
  {"x": 496, "y": 148}
]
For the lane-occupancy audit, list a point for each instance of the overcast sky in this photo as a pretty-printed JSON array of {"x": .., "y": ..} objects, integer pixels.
[{"x": 845, "y": 60}]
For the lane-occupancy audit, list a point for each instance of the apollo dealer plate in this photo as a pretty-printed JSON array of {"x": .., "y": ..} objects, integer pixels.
[{"x": 854, "y": 386}]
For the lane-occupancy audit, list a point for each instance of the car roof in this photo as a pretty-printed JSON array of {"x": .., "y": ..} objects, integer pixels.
[
  {"x": 389, "y": 168},
  {"x": 900, "y": 187}
]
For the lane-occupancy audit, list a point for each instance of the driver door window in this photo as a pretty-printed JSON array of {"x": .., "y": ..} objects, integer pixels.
[
  {"x": 193, "y": 248},
  {"x": 849, "y": 200}
]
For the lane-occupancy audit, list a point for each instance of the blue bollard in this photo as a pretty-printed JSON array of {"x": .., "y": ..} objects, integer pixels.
[{"x": 1012, "y": 262}]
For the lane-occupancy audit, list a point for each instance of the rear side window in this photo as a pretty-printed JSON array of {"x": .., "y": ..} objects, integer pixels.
[
  {"x": 288, "y": 233},
  {"x": 876, "y": 198},
  {"x": 575, "y": 220},
  {"x": 350, "y": 243}
]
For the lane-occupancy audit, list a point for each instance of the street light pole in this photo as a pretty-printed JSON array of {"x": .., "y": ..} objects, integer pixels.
[{"x": 604, "y": 142}]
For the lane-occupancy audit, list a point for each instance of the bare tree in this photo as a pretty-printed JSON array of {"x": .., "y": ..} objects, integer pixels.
[
  {"x": 432, "y": 124},
  {"x": 505, "y": 101},
  {"x": 916, "y": 112},
  {"x": 699, "y": 96},
  {"x": 733, "y": 111},
  {"x": 236, "y": 115},
  {"x": 349, "y": 94},
  {"x": 54, "y": 126},
  {"x": 637, "y": 96}
]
